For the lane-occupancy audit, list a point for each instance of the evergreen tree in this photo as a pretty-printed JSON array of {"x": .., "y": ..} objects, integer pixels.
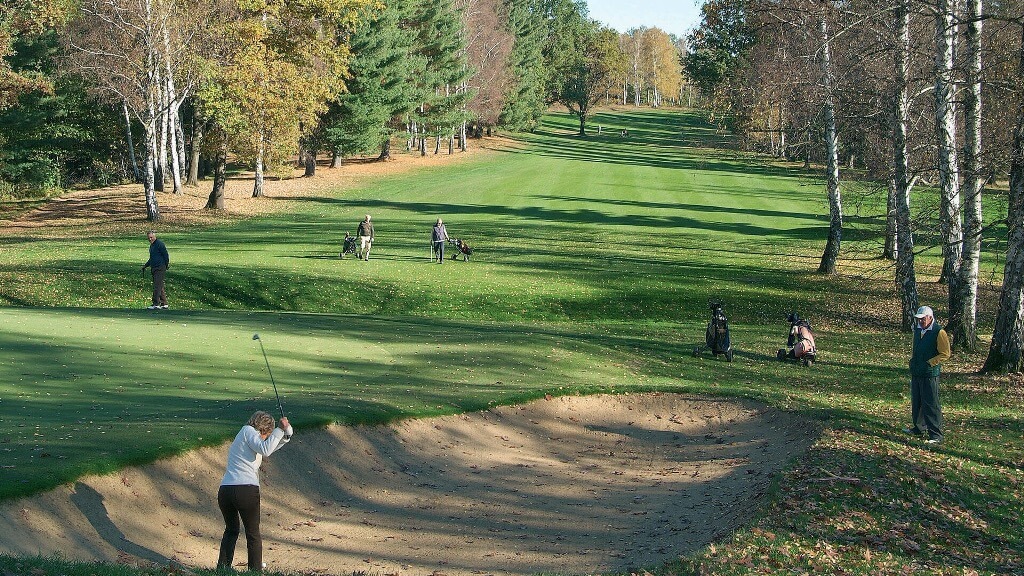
[
  {"x": 444, "y": 79},
  {"x": 524, "y": 101},
  {"x": 379, "y": 91}
]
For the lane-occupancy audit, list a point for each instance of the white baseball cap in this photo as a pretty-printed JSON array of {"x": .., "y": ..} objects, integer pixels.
[{"x": 924, "y": 311}]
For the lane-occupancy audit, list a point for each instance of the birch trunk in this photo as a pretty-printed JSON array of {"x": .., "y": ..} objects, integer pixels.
[
  {"x": 131, "y": 141},
  {"x": 257, "y": 186},
  {"x": 1004, "y": 354},
  {"x": 963, "y": 307},
  {"x": 835, "y": 205},
  {"x": 906, "y": 281},
  {"x": 463, "y": 145},
  {"x": 150, "y": 121},
  {"x": 950, "y": 217}
]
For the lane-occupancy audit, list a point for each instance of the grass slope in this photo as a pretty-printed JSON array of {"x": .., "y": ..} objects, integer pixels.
[{"x": 595, "y": 261}]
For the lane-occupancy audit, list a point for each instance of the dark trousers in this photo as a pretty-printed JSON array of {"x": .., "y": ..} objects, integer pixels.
[
  {"x": 244, "y": 502},
  {"x": 159, "y": 296},
  {"x": 439, "y": 250},
  {"x": 925, "y": 411}
]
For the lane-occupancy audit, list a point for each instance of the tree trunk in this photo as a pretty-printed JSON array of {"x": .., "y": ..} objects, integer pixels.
[
  {"x": 385, "y": 150},
  {"x": 131, "y": 142},
  {"x": 889, "y": 250},
  {"x": 437, "y": 143},
  {"x": 310, "y": 163},
  {"x": 216, "y": 199},
  {"x": 463, "y": 145},
  {"x": 257, "y": 187},
  {"x": 963, "y": 308},
  {"x": 149, "y": 184},
  {"x": 906, "y": 281},
  {"x": 1004, "y": 354},
  {"x": 193, "y": 159},
  {"x": 950, "y": 218},
  {"x": 172, "y": 134},
  {"x": 335, "y": 159},
  {"x": 835, "y": 205}
]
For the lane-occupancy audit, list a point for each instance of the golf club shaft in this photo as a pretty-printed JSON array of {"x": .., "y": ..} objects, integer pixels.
[{"x": 279, "y": 405}]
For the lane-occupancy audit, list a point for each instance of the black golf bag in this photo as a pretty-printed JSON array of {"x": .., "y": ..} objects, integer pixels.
[
  {"x": 348, "y": 246},
  {"x": 717, "y": 337}
]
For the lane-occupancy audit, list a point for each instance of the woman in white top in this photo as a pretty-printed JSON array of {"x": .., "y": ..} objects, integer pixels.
[{"x": 239, "y": 494}]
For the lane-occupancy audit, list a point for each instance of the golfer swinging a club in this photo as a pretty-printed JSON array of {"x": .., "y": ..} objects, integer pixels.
[{"x": 239, "y": 494}]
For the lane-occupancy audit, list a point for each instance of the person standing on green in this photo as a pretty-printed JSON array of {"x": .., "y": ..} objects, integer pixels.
[
  {"x": 931, "y": 349},
  {"x": 365, "y": 234},
  {"x": 159, "y": 261}
]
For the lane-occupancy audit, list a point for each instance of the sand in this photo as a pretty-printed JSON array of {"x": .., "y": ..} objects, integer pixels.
[{"x": 568, "y": 485}]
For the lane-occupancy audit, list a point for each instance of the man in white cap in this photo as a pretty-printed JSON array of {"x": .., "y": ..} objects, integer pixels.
[{"x": 931, "y": 349}]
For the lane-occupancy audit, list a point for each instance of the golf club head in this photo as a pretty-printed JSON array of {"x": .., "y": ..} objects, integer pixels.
[{"x": 256, "y": 336}]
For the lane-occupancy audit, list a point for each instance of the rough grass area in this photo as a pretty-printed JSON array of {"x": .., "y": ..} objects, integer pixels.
[{"x": 594, "y": 262}]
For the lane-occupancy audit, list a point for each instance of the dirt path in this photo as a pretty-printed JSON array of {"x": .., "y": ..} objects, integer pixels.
[{"x": 568, "y": 485}]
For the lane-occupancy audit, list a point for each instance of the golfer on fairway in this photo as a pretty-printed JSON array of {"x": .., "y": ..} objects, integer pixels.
[
  {"x": 159, "y": 261},
  {"x": 239, "y": 494}
]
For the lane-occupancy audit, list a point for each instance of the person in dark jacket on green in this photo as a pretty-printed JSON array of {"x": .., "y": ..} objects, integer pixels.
[
  {"x": 931, "y": 349},
  {"x": 159, "y": 261}
]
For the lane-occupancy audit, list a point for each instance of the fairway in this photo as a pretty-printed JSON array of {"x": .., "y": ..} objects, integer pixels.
[{"x": 595, "y": 261}]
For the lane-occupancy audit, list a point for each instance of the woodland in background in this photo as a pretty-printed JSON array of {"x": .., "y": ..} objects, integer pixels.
[{"x": 164, "y": 92}]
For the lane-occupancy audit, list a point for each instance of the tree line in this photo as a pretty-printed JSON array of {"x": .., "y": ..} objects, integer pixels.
[
  {"x": 164, "y": 92},
  {"x": 909, "y": 93}
]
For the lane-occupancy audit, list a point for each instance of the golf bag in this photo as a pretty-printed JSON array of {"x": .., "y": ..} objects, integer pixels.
[
  {"x": 800, "y": 344},
  {"x": 348, "y": 246},
  {"x": 716, "y": 337},
  {"x": 461, "y": 247}
]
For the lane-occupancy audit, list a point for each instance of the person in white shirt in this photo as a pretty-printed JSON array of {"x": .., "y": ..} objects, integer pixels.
[{"x": 239, "y": 494}]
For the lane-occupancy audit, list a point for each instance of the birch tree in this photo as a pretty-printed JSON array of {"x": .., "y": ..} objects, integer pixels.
[
  {"x": 835, "y": 204},
  {"x": 906, "y": 281},
  {"x": 950, "y": 216},
  {"x": 963, "y": 292},
  {"x": 1004, "y": 353}
]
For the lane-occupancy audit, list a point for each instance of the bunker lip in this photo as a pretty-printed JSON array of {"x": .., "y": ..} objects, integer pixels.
[{"x": 577, "y": 484}]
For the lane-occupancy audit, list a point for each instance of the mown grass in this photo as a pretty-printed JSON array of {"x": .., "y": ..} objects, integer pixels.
[{"x": 595, "y": 259}]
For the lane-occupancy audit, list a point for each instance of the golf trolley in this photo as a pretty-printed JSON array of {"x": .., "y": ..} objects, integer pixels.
[
  {"x": 716, "y": 338},
  {"x": 460, "y": 247},
  {"x": 348, "y": 246},
  {"x": 800, "y": 344}
]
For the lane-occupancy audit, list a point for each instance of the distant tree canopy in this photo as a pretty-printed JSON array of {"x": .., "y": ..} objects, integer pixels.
[{"x": 153, "y": 86}]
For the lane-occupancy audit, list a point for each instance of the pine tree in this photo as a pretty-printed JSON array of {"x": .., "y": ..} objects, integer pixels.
[
  {"x": 379, "y": 92},
  {"x": 524, "y": 101},
  {"x": 444, "y": 80}
]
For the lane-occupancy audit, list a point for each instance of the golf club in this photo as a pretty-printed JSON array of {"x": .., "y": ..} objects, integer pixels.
[{"x": 279, "y": 405}]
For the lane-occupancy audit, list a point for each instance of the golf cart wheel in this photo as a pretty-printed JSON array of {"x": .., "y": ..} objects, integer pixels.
[
  {"x": 808, "y": 362},
  {"x": 728, "y": 355},
  {"x": 781, "y": 354},
  {"x": 696, "y": 351}
]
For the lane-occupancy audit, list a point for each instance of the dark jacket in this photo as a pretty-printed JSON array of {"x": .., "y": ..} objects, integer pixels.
[
  {"x": 365, "y": 229},
  {"x": 931, "y": 348},
  {"x": 158, "y": 257}
]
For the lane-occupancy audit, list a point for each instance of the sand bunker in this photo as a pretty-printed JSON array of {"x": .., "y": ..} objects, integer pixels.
[{"x": 568, "y": 485}]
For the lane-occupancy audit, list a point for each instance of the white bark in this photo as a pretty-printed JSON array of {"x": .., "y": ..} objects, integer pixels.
[
  {"x": 950, "y": 217},
  {"x": 835, "y": 202},
  {"x": 906, "y": 281},
  {"x": 963, "y": 306}
]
